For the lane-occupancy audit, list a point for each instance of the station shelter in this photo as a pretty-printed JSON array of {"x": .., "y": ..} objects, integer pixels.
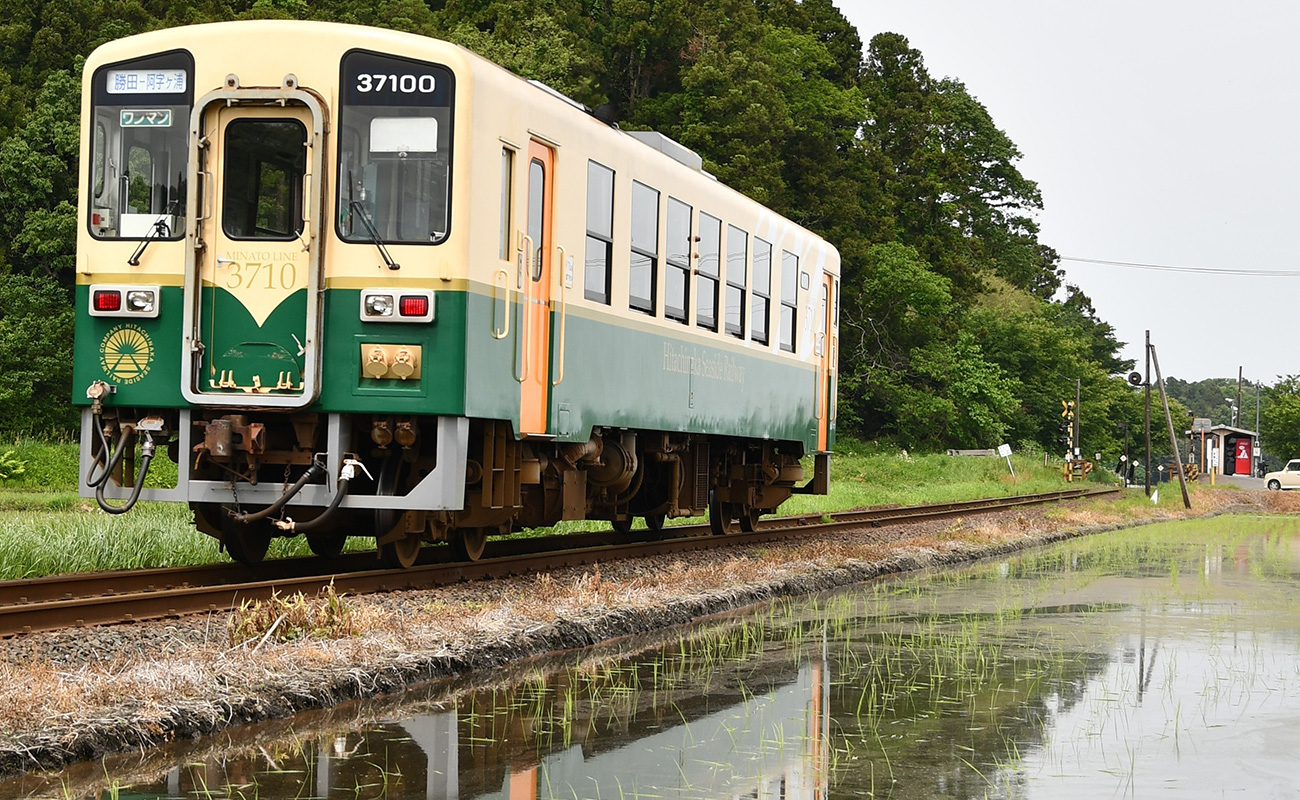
[{"x": 1237, "y": 450}]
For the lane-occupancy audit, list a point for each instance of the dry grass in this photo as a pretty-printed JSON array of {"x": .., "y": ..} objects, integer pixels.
[
  {"x": 284, "y": 619},
  {"x": 299, "y": 644}
]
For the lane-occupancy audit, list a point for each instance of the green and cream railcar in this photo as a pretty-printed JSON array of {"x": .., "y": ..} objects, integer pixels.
[{"x": 360, "y": 282}]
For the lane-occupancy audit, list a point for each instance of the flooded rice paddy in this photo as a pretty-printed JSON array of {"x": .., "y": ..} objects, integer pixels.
[{"x": 1162, "y": 659}]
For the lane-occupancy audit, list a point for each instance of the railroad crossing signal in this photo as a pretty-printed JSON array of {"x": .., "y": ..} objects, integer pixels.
[{"x": 1074, "y": 467}]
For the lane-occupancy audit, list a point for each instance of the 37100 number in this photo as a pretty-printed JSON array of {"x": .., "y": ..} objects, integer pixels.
[{"x": 396, "y": 84}]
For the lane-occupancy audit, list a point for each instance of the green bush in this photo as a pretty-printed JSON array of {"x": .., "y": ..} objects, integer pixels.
[
  {"x": 10, "y": 467},
  {"x": 48, "y": 465},
  {"x": 35, "y": 357}
]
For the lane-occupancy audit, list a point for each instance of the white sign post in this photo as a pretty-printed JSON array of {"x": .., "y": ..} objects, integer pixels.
[{"x": 1004, "y": 450}]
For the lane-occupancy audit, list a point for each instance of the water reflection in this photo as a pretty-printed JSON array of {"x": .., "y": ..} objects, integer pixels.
[{"x": 1166, "y": 658}]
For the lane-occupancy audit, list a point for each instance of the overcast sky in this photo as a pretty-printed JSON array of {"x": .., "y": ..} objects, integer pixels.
[{"x": 1163, "y": 133}]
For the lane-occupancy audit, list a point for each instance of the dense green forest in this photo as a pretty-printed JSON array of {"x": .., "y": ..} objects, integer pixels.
[{"x": 956, "y": 330}]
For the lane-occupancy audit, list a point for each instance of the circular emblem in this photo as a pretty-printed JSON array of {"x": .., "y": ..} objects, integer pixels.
[{"x": 126, "y": 353}]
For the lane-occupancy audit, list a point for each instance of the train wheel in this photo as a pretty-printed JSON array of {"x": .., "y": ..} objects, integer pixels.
[
  {"x": 655, "y": 522},
  {"x": 402, "y": 553},
  {"x": 622, "y": 525},
  {"x": 721, "y": 516},
  {"x": 246, "y": 543},
  {"x": 467, "y": 544},
  {"x": 749, "y": 519},
  {"x": 327, "y": 544}
]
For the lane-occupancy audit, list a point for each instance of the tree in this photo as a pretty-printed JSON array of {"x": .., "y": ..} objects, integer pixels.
[
  {"x": 38, "y": 180},
  {"x": 35, "y": 357},
  {"x": 1280, "y": 417}
]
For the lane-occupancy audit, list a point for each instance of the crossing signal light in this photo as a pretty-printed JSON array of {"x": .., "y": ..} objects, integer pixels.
[
  {"x": 1063, "y": 433},
  {"x": 1135, "y": 378}
]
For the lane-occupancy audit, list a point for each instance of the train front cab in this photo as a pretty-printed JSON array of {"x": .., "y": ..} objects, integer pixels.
[{"x": 282, "y": 337}]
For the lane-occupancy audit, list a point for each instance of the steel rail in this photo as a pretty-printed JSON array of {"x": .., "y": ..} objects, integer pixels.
[{"x": 84, "y": 599}]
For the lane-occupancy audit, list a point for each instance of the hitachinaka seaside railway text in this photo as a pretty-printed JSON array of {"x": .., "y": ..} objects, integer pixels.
[{"x": 374, "y": 285}]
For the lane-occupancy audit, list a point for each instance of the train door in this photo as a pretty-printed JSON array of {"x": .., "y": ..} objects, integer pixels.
[
  {"x": 252, "y": 285},
  {"x": 825, "y": 353},
  {"x": 535, "y": 281}
]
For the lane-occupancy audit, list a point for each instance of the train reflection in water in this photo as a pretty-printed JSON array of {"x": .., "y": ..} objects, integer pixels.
[{"x": 768, "y": 746}]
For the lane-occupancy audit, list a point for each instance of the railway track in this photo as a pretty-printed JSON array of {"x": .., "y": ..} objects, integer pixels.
[{"x": 82, "y": 599}]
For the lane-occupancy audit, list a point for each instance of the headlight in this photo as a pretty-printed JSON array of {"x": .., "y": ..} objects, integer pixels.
[
  {"x": 141, "y": 301},
  {"x": 379, "y": 305}
]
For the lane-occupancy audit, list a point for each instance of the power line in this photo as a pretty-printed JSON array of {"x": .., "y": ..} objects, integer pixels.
[{"x": 1256, "y": 273}]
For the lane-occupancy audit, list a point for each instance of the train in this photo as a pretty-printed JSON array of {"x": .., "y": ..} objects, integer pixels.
[{"x": 359, "y": 282}]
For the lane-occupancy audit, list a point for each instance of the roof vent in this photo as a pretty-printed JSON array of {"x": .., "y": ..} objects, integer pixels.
[{"x": 669, "y": 148}]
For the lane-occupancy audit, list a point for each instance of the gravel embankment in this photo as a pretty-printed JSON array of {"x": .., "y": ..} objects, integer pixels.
[{"x": 79, "y": 694}]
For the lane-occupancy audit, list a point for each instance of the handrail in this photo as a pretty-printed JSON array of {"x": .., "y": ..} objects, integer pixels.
[
  {"x": 502, "y": 332},
  {"x": 830, "y": 378},
  {"x": 307, "y": 181},
  {"x": 819, "y": 380},
  {"x": 564, "y": 312},
  {"x": 206, "y": 192},
  {"x": 525, "y": 336},
  {"x": 822, "y": 371}
]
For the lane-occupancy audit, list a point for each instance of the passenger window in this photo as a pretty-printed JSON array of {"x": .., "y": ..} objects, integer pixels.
[
  {"x": 789, "y": 299},
  {"x": 644, "y": 266},
  {"x": 507, "y": 184},
  {"x": 760, "y": 314},
  {"x": 678, "y": 279},
  {"x": 600, "y": 232},
  {"x": 737, "y": 244},
  {"x": 706, "y": 283}
]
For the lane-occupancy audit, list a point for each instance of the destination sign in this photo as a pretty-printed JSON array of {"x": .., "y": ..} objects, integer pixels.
[{"x": 134, "y": 81}]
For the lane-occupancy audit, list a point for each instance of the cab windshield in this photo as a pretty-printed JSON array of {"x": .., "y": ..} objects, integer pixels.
[
  {"x": 140, "y": 148},
  {"x": 394, "y": 150}
]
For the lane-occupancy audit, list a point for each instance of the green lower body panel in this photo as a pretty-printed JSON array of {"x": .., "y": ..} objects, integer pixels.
[
  {"x": 663, "y": 379},
  {"x": 615, "y": 372}
]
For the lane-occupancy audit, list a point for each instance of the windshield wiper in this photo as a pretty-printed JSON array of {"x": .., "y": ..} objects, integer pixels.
[
  {"x": 369, "y": 224},
  {"x": 160, "y": 230}
]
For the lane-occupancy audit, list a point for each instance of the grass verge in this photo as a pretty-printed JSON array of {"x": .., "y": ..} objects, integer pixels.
[{"x": 45, "y": 528}]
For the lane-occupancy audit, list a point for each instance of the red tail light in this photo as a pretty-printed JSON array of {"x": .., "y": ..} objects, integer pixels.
[
  {"x": 414, "y": 305},
  {"x": 108, "y": 301}
]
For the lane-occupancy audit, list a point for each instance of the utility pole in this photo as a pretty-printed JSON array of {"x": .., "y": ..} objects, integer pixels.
[
  {"x": 1259, "y": 438},
  {"x": 1236, "y": 414},
  {"x": 1169, "y": 422},
  {"x": 1147, "y": 416},
  {"x": 1078, "y": 396}
]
